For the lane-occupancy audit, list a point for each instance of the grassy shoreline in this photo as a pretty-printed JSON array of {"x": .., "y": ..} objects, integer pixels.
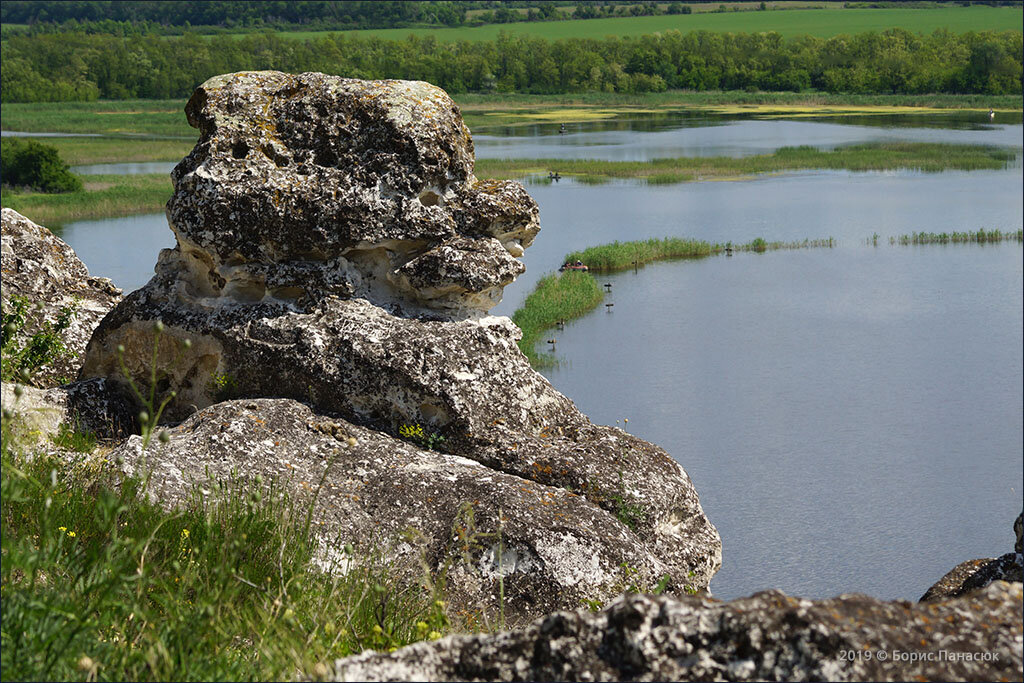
[
  {"x": 122, "y": 195},
  {"x": 104, "y": 196},
  {"x": 928, "y": 157},
  {"x": 166, "y": 118}
]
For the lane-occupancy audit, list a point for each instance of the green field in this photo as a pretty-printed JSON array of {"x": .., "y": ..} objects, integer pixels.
[
  {"x": 119, "y": 120},
  {"x": 159, "y": 118},
  {"x": 823, "y": 23}
]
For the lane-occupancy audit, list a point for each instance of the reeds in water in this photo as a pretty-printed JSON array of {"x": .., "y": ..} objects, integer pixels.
[{"x": 981, "y": 236}]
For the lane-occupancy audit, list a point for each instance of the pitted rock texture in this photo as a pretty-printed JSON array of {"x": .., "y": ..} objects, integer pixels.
[
  {"x": 46, "y": 271},
  {"x": 766, "y": 637},
  {"x": 974, "y": 574},
  {"x": 348, "y": 286},
  {"x": 309, "y": 185},
  {"x": 556, "y": 548}
]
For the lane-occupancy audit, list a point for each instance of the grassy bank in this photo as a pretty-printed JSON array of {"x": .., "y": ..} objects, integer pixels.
[
  {"x": 104, "y": 196},
  {"x": 559, "y": 298},
  {"x": 555, "y": 298},
  {"x": 868, "y": 157},
  {"x": 120, "y": 195},
  {"x": 166, "y": 118},
  {"x": 979, "y": 237},
  {"x": 100, "y": 584},
  {"x": 89, "y": 150}
]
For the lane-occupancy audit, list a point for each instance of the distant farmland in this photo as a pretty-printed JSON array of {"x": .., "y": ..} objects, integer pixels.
[{"x": 823, "y": 23}]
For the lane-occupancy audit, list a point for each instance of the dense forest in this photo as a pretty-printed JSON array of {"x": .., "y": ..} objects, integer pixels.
[{"x": 70, "y": 66}]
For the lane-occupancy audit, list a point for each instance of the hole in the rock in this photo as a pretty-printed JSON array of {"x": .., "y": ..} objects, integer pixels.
[
  {"x": 239, "y": 150},
  {"x": 429, "y": 198},
  {"x": 288, "y": 293},
  {"x": 245, "y": 291}
]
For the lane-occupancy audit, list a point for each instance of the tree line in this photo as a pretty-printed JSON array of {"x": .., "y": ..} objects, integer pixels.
[{"x": 74, "y": 66}]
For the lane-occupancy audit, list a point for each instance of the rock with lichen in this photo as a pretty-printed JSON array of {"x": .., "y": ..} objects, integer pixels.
[
  {"x": 481, "y": 531},
  {"x": 335, "y": 248},
  {"x": 974, "y": 574},
  {"x": 44, "y": 270},
  {"x": 766, "y": 637}
]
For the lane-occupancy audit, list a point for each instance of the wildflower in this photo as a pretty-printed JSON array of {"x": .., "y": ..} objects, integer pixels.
[
  {"x": 422, "y": 626},
  {"x": 62, "y": 528},
  {"x": 377, "y": 629},
  {"x": 433, "y": 635},
  {"x": 71, "y": 534}
]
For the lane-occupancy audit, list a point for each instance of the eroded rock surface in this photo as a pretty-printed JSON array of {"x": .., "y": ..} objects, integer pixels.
[
  {"x": 45, "y": 270},
  {"x": 97, "y": 406},
  {"x": 766, "y": 637},
  {"x": 334, "y": 247},
  {"x": 974, "y": 574},
  {"x": 556, "y": 548}
]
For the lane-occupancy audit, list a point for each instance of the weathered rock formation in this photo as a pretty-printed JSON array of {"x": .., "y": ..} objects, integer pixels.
[
  {"x": 45, "y": 270},
  {"x": 974, "y": 574},
  {"x": 334, "y": 247},
  {"x": 766, "y": 637},
  {"x": 555, "y": 548},
  {"x": 98, "y": 406}
]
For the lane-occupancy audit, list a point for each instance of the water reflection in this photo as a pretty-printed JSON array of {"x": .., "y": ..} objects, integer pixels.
[
  {"x": 736, "y": 138},
  {"x": 850, "y": 417}
]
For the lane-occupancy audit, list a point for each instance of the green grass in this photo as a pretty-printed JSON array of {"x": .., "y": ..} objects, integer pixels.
[
  {"x": 159, "y": 118},
  {"x": 622, "y": 255},
  {"x": 104, "y": 196},
  {"x": 99, "y": 583},
  {"x": 822, "y": 23},
  {"x": 928, "y": 157},
  {"x": 81, "y": 151},
  {"x": 981, "y": 236},
  {"x": 556, "y": 297}
]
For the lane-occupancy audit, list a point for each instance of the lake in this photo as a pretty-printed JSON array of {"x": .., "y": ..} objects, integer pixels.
[{"x": 851, "y": 417}]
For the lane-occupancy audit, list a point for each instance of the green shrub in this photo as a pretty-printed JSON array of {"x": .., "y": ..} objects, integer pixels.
[
  {"x": 32, "y": 164},
  {"x": 20, "y": 361}
]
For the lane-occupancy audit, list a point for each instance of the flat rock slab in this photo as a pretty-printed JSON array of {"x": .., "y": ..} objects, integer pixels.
[{"x": 766, "y": 637}]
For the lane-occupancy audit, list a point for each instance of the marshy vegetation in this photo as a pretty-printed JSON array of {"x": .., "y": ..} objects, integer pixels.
[
  {"x": 981, "y": 236},
  {"x": 557, "y": 297},
  {"x": 878, "y": 156}
]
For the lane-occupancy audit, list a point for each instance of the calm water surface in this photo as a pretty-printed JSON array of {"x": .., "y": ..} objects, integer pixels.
[{"x": 851, "y": 417}]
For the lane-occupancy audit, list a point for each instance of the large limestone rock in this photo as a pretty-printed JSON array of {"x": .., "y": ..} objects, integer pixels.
[
  {"x": 45, "y": 270},
  {"x": 974, "y": 574},
  {"x": 766, "y": 637},
  {"x": 553, "y": 548},
  {"x": 334, "y": 247}
]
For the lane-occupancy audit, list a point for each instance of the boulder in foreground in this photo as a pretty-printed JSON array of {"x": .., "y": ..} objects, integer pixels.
[{"x": 766, "y": 637}]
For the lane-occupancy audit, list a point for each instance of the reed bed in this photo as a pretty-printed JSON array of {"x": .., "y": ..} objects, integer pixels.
[
  {"x": 556, "y": 298},
  {"x": 883, "y": 156},
  {"x": 981, "y": 236}
]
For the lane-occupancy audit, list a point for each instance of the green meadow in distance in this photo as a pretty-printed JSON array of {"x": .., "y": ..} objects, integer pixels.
[{"x": 823, "y": 23}]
